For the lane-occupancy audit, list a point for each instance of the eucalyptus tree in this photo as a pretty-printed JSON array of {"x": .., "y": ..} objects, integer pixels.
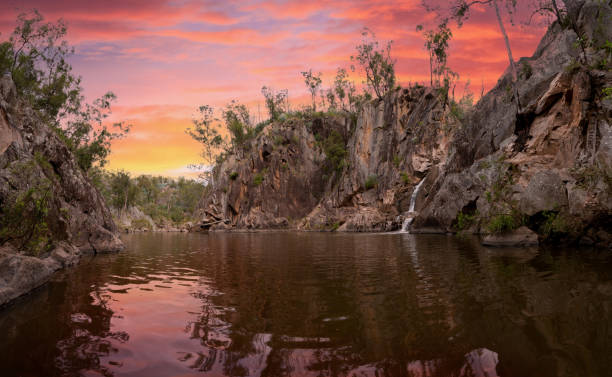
[
  {"x": 377, "y": 63},
  {"x": 459, "y": 10},
  {"x": 313, "y": 83}
]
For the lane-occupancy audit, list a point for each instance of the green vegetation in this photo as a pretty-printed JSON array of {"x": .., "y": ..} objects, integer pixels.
[
  {"x": 275, "y": 101},
  {"x": 378, "y": 65},
  {"x": 526, "y": 70},
  {"x": 502, "y": 223},
  {"x": 258, "y": 179},
  {"x": 554, "y": 223},
  {"x": 36, "y": 56},
  {"x": 206, "y": 132},
  {"x": 465, "y": 220},
  {"x": 459, "y": 11},
  {"x": 233, "y": 175},
  {"x": 436, "y": 43},
  {"x": 161, "y": 198},
  {"x": 238, "y": 122},
  {"x": 371, "y": 182},
  {"x": 24, "y": 217},
  {"x": 405, "y": 178},
  {"x": 335, "y": 150},
  {"x": 313, "y": 83},
  {"x": 588, "y": 176}
]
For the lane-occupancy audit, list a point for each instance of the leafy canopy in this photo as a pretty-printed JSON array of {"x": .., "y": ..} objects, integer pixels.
[{"x": 36, "y": 57}]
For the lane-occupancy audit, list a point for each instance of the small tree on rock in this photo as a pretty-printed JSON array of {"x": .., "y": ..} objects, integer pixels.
[
  {"x": 313, "y": 83},
  {"x": 275, "y": 101},
  {"x": 377, "y": 63}
]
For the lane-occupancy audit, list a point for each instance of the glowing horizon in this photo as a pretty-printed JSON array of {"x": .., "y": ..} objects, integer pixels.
[{"x": 164, "y": 58}]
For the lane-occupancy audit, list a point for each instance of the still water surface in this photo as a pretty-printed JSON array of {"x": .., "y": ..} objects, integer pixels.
[{"x": 312, "y": 304}]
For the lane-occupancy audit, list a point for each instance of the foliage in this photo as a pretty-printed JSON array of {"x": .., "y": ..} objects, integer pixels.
[
  {"x": 405, "y": 178},
  {"x": 258, "y": 179},
  {"x": 123, "y": 190},
  {"x": 275, "y": 101},
  {"x": 345, "y": 90},
  {"x": 526, "y": 70},
  {"x": 502, "y": 223},
  {"x": 335, "y": 150},
  {"x": 436, "y": 43},
  {"x": 24, "y": 217},
  {"x": 206, "y": 132},
  {"x": 459, "y": 10},
  {"x": 238, "y": 123},
  {"x": 313, "y": 83},
  {"x": 378, "y": 65},
  {"x": 397, "y": 160},
  {"x": 465, "y": 220},
  {"x": 36, "y": 56},
  {"x": 588, "y": 176},
  {"x": 371, "y": 182},
  {"x": 233, "y": 175},
  {"x": 554, "y": 223},
  {"x": 87, "y": 135},
  {"x": 141, "y": 224},
  {"x": 162, "y": 198}
]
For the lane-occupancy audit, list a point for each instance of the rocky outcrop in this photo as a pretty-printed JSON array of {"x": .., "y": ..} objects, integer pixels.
[
  {"x": 550, "y": 166},
  {"x": 542, "y": 160},
  {"x": 51, "y": 213}
]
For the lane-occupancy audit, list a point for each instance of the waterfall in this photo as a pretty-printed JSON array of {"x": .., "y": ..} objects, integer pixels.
[
  {"x": 415, "y": 193},
  {"x": 408, "y": 220},
  {"x": 406, "y": 224}
]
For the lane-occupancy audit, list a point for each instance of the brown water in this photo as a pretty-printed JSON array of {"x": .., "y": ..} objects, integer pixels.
[{"x": 313, "y": 304}]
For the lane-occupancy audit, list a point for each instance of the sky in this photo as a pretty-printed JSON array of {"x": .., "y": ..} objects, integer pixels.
[{"x": 164, "y": 58}]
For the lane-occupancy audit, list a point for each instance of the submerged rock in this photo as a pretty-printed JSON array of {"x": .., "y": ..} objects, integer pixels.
[{"x": 522, "y": 236}]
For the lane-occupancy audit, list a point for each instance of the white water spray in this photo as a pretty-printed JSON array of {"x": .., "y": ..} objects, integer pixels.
[{"x": 413, "y": 198}]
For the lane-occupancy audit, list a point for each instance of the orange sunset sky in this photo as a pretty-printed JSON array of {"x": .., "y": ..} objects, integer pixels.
[{"x": 164, "y": 58}]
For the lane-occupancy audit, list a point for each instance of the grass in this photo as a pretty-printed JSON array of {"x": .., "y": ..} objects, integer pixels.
[
  {"x": 465, "y": 220},
  {"x": 503, "y": 223},
  {"x": 258, "y": 179},
  {"x": 371, "y": 182}
]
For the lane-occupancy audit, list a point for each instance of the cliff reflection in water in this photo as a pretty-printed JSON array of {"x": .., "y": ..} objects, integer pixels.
[{"x": 276, "y": 304}]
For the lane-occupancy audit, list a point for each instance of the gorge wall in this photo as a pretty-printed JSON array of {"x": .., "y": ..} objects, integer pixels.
[
  {"x": 545, "y": 168},
  {"x": 50, "y": 211}
]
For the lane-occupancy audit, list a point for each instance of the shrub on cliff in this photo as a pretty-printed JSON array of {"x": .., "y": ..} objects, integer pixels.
[
  {"x": 24, "y": 217},
  {"x": 335, "y": 150}
]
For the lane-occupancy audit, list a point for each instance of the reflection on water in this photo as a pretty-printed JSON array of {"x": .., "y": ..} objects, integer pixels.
[{"x": 310, "y": 304}]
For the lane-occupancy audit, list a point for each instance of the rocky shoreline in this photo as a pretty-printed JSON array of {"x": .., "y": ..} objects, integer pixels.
[{"x": 35, "y": 164}]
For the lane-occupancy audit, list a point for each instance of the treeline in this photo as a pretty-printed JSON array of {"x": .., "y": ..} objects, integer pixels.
[{"x": 162, "y": 198}]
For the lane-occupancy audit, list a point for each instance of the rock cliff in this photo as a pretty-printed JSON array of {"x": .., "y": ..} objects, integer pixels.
[
  {"x": 542, "y": 164},
  {"x": 51, "y": 213}
]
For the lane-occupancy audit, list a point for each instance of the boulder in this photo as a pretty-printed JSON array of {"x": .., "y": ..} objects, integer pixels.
[
  {"x": 522, "y": 236},
  {"x": 545, "y": 192}
]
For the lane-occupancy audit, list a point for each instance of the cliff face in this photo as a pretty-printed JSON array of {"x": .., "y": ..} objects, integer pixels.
[
  {"x": 546, "y": 166},
  {"x": 551, "y": 164},
  {"x": 51, "y": 213}
]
